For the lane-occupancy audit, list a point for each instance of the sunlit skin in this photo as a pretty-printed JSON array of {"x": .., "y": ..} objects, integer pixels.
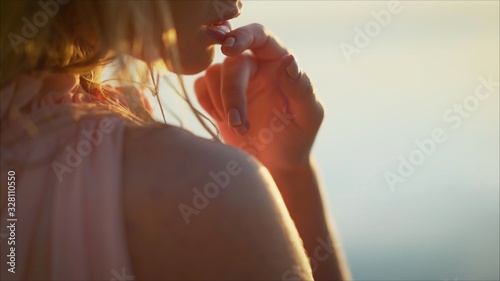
[
  {"x": 196, "y": 47},
  {"x": 257, "y": 84},
  {"x": 254, "y": 84},
  {"x": 259, "y": 225}
]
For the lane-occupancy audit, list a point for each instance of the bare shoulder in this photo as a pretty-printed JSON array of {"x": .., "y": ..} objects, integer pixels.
[{"x": 197, "y": 209}]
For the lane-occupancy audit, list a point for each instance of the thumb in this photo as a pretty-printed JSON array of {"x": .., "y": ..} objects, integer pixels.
[{"x": 297, "y": 87}]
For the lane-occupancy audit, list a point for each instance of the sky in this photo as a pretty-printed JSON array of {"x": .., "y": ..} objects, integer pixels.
[{"x": 407, "y": 94}]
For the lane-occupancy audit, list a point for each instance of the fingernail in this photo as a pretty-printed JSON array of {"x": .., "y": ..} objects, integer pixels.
[
  {"x": 241, "y": 130},
  {"x": 293, "y": 70},
  {"x": 233, "y": 117},
  {"x": 229, "y": 42}
]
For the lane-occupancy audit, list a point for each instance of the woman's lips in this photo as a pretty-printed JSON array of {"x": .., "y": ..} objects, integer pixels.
[{"x": 218, "y": 31}]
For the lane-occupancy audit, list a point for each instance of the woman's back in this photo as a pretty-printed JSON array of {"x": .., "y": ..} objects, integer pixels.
[{"x": 121, "y": 200}]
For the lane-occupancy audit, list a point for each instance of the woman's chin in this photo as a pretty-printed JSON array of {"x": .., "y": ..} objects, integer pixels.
[{"x": 194, "y": 64}]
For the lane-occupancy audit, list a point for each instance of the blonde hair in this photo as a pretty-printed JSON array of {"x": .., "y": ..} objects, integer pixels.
[{"x": 81, "y": 37}]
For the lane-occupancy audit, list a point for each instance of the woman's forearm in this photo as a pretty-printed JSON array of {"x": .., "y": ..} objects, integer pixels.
[{"x": 301, "y": 192}]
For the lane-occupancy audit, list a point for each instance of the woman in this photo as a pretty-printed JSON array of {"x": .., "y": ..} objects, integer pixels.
[{"x": 102, "y": 191}]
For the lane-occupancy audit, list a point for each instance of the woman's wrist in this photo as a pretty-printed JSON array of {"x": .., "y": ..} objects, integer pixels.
[
  {"x": 292, "y": 169},
  {"x": 295, "y": 182}
]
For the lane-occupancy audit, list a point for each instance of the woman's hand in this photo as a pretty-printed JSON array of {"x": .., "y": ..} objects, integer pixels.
[
  {"x": 261, "y": 101},
  {"x": 265, "y": 105}
]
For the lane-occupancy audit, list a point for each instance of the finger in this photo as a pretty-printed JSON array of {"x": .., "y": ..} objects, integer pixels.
[
  {"x": 254, "y": 37},
  {"x": 236, "y": 74},
  {"x": 302, "y": 100},
  {"x": 203, "y": 96},
  {"x": 213, "y": 77}
]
